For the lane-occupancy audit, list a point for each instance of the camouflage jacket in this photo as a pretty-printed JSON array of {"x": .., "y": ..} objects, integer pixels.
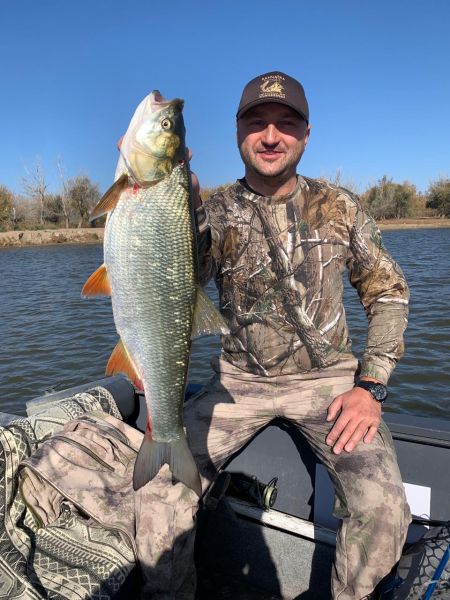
[{"x": 278, "y": 264}]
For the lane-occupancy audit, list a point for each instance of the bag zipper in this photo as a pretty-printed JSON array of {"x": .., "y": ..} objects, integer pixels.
[
  {"x": 84, "y": 448},
  {"x": 87, "y": 512},
  {"x": 117, "y": 433}
]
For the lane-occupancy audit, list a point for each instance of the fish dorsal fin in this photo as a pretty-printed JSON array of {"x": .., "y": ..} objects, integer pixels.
[
  {"x": 98, "y": 283},
  {"x": 110, "y": 198},
  {"x": 207, "y": 319},
  {"x": 120, "y": 361}
]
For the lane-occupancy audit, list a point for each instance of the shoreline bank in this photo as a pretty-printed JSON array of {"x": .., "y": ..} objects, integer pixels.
[
  {"x": 91, "y": 235},
  {"x": 426, "y": 223},
  {"x": 43, "y": 237}
]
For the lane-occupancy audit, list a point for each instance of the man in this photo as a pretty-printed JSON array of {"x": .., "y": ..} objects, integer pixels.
[{"x": 277, "y": 244}]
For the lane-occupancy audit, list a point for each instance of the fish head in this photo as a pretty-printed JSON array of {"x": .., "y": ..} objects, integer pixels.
[{"x": 154, "y": 141}]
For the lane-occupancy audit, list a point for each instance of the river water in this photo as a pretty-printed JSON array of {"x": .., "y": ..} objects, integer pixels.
[{"x": 52, "y": 339}]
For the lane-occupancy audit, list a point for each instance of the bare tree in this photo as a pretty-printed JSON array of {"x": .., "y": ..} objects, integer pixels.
[
  {"x": 338, "y": 179},
  {"x": 35, "y": 187},
  {"x": 22, "y": 212},
  {"x": 64, "y": 195}
]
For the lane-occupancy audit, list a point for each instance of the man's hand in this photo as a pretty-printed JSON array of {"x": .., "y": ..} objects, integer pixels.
[{"x": 359, "y": 418}]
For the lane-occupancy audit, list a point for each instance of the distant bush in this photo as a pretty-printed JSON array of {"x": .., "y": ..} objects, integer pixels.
[
  {"x": 83, "y": 195},
  {"x": 6, "y": 208},
  {"x": 439, "y": 196},
  {"x": 206, "y": 192},
  {"x": 389, "y": 200}
]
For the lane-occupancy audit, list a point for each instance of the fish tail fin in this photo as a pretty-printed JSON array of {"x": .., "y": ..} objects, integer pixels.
[{"x": 177, "y": 454}]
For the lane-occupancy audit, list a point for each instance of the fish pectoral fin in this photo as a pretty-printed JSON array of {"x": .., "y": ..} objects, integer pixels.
[
  {"x": 120, "y": 361},
  {"x": 207, "y": 319},
  {"x": 109, "y": 200},
  {"x": 98, "y": 283},
  {"x": 176, "y": 453}
]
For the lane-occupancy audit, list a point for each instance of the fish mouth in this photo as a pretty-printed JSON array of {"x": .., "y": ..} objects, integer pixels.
[{"x": 158, "y": 102}]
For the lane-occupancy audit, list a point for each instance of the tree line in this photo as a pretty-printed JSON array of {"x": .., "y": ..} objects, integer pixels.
[
  {"x": 390, "y": 200},
  {"x": 38, "y": 208}
]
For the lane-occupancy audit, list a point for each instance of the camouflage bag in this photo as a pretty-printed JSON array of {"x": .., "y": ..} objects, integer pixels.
[{"x": 50, "y": 547}]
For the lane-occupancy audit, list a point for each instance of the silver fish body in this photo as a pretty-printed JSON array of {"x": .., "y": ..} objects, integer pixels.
[{"x": 149, "y": 252}]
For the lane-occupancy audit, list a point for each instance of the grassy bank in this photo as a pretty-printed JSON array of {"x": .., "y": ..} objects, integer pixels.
[{"x": 91, "y": 235}]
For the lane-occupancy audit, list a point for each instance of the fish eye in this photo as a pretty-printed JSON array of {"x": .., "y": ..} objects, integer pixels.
[{"x": 166, "y": 124}]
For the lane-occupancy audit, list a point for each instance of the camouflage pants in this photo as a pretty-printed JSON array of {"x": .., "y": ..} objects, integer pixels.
[{"x": 370, "y": 497}]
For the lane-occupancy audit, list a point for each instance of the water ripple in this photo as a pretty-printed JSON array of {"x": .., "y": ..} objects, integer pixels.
[{"x": 53, "y": 339}]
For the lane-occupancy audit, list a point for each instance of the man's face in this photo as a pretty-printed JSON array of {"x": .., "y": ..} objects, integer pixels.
[{"x": 271, "y": 139}]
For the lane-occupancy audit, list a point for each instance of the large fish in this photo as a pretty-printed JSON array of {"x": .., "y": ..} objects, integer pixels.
[{"x": 150, "y": 270}]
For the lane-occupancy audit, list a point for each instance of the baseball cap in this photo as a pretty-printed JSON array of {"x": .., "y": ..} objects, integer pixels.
[{"x": 274, "y": 87}]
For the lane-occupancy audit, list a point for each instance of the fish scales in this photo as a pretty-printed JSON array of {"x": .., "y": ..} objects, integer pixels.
[{"x": 150, "y": 259}]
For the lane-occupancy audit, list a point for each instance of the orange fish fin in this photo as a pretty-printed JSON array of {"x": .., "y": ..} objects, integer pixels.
[
  {"x": 109, "y": 200},
  {"x": 121, "y": 362},
  {"x": 98, "y": 283}
]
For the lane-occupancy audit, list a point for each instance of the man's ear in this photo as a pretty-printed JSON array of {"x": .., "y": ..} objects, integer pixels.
[{"x": 308, "y": 131}]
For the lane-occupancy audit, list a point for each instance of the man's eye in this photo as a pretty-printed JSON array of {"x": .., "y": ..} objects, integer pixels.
[
  {"x": 256, "y": 123},
  {"x": 288, "y": 123}
]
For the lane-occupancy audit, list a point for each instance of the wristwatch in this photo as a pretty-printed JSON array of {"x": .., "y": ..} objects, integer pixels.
[{"x": 378, "y": 390}]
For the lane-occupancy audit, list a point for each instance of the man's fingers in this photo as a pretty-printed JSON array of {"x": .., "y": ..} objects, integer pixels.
[
  {"x": 334, "y": 408},
  {"x": 337, "y": 429},
  {"x": 356, "y": 437},
  {"x": 195, "y": 190},
  {"x": 343, "y": 438},
  {"x": 195, "y": 183},
  {"x": 349, "y": 437},
  {"x": 371, "y": 433}
]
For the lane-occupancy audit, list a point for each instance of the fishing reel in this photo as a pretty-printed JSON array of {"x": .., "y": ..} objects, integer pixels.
[{"x": 243, "y": 487}]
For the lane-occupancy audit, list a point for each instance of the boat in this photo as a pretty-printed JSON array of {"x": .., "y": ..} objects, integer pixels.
[{"x": 266, "y": 529}]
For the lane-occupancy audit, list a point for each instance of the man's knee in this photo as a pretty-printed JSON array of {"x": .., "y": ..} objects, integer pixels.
[{"x": 378, "y": 505}]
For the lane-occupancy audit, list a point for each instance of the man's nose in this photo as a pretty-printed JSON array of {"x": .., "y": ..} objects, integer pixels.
[{"x": 271, "y": 135}]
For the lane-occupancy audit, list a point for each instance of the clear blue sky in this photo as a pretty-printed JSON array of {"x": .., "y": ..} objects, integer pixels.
[{"x": 376, "y": 73}]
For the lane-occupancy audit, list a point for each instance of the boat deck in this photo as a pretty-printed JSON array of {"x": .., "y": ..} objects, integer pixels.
[{"x": 213, "y": 586}]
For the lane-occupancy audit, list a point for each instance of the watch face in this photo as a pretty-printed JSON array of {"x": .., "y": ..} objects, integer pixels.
[{"x": 379, "y": 392}]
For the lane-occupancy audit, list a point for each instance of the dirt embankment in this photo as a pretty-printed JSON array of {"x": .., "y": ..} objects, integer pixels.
[
  {"x": 88, "y": 235},
  {"x": 424, "y": 223}
]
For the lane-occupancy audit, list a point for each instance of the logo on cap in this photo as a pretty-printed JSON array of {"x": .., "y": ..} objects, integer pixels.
[{"x": 272, "y": 86}]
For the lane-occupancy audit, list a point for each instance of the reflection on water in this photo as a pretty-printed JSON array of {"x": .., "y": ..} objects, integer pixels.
[{"x": 53, "y": 339}]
